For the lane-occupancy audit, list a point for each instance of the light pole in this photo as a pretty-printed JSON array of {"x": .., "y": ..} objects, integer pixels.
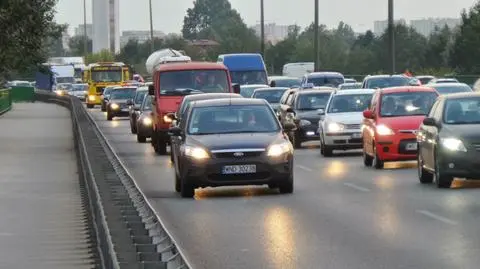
[
  {"x": 315, "y": 41},
  {"x": 391, "y": 36},
  {"x": 85, "y": 36},
  {"x": 152, "y": 47},
  {"x": 262, "y": 29}
]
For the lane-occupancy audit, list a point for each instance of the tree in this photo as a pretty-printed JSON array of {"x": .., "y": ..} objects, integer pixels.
[
  {"x": 439, "y": 42},
  {"x": 77, "y": 45},
  {"x": 26, "y": 27},
  {"x": 102, "y": 56},
  {"x": 465, "y": 53}
]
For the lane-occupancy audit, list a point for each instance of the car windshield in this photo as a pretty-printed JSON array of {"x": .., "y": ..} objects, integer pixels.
[
  {"x": 312, "y": 101},
  {"x": 350, "y": 86},
  {"x": 349, "y": 103},
  {"x": 184, "y": 82},
  {"x": 107, "y": 75},
  {"x": 107, "y": 91},
  {"x": 406, "y": 103},
  {"x": 374, "y": 83},
  {"x": 80, "y": 87},
  {"x": 249, "y": 77},
  {"x": 147, "y": 103},
  {"x": 272, "y": 96},
  {"x": 288, "y": 82},
  {"x": 326, "y": 81},
  {"x": 247, "y": 91},
  {"x": 232, "y": 119},
  {"x": 425, "y": 80},
  {"x": 125, "y": 93},
  {"x": 66, "y": 87},
  {"x": 139, "y": 96},
  {"x": 462, "y": 111},
  {"x": 65, "y": 79},
  {"x": 447, "y": 89}
]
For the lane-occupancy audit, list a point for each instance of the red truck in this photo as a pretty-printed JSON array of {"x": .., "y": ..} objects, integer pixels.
[{"x": 174, "y": 80}]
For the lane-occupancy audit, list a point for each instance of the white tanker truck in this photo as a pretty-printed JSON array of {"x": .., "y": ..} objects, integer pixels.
[{"x": 164, "y": 56}]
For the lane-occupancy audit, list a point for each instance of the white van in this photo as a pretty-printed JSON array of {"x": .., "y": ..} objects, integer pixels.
[{"x": 297, "y": 70}]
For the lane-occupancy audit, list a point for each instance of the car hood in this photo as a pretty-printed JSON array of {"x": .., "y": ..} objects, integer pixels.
[
  {"x": 119, "y": 101},
  {"x": 469, "y": 132},
  {"x": 310, "y": 115},
  {"x": 275, "y": 106},
  {"x": 402, "y": 123},
  {"x": 236, "y": 141},
  {"x": 345, "y": 118}
]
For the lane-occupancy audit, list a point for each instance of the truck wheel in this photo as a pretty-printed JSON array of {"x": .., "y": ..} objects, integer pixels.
[
  {"x": 141, "y": 138},
  {"x": 90, "y": 106},
  {"x": 160, "y": 146}
]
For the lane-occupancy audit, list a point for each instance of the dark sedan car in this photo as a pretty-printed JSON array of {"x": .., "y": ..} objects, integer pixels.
[
  {"x": 105, "y": 96},
  {"x": 117, "y": 105},
  {"x": 272, "y": 95},
  {"x": 143, "y": 124},
  {"x": 449, "y": 140},
  {"x": 227, "y": 142},
  {"x": 134, "y": 107}
]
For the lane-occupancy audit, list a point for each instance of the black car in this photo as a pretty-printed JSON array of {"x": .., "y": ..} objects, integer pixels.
[
  {"x": 272, "y": 95},
  {"x": 105, "y": 96},
  {"x": 449, "y": 140},
  {"x": 449, "y": 88},
  {"x": 117, "y": 105},
  {"x": 144, "y": 122},
  {"x": 301, "y": 107},
  {"x": 134, "y": 107},
  {"x": 227, "y": 142},
  {"x": 187, "y": 100}
]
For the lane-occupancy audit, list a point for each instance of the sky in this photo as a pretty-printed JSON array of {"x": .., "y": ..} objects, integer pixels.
[{"x": 360, "y": 14}]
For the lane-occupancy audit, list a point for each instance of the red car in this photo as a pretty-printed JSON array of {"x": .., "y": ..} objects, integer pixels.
[{"x": 391, "y": 123}]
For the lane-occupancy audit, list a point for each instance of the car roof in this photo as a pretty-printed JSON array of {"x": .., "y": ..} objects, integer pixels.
[
  {"x": 228, "y": 101},
  {"x": 425, "y": 76},
  {"x": 190, "y": 66},
  {"x": 355, "y": 91},
  {"x": 385, "y": 76},
  {"x": 407, "y": 89},
  {"x": 316, "y": 91},
  {"x": 326, "y": 73},
  {"x": 461, "y": 95},
  {"x": 271, "y": 89},
  {"x": 125, "y": 87},
  {"x": 448, "y": 79},
  {"x": 350, "y": 83},
  {"x": 254, "y": 85},
  {"x": 282, "y": 77},
  {"x": 440, "y": 84},
  {"x": 203, "y": 96}
]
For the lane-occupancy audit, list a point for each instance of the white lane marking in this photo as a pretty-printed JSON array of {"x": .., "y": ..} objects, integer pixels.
[
  {"x": 354, "y": 186},
  {"x": 436, "y": 217},
  {"x": 304, "y": 168}
]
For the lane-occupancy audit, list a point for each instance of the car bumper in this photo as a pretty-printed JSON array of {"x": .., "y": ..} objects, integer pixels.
[
  {"x": 346, "y": 140},
  {"x": 209, "y": 173},
  {"x": 121, "y": 112},
  {"x": 308, "y": 133},
  {"x": 461, "y": 164},
  {"x": 397, "y": 148}
]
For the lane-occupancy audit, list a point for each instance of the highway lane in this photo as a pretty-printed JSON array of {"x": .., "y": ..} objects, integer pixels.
[{"x": 341, "y": 215}]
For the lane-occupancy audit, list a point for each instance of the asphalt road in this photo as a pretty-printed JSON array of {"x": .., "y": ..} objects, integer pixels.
[{"x": 342, "y": 215}]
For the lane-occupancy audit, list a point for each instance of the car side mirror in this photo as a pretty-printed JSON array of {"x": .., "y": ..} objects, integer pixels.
[
  {"x": 368, "y": 114},
  {"x": 321, "y": 111},
  {"x": 175, "y": 131},
  {"x": 151, "y": 89},
  {"x": 236, "y": 88},
  {"x": 290, "y": 110},
  {"x": 289, "y": 126},
  {"x": 429, "y": 122},
  {"x": 273, "y": 83}
]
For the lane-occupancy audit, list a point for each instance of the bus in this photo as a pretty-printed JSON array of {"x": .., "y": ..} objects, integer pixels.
[{"x": 103, "y": 74}]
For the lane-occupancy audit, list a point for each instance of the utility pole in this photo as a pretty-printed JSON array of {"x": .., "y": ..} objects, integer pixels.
[
  {"x": 152, "y": 46},
  {"x": 262, "y": 29},
  {"x": 85, "y": 36},
  {"x": 315, "y": 41},
  {"x": 391, "y": 36}
]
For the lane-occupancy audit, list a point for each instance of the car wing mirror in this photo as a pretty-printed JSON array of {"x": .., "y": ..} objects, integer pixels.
[
  {"x": 430, "y": 122},
  {"x": 175, "y": 131},
  {"x": 321, "y": 111},
  {"x": 368, "y": 114}
]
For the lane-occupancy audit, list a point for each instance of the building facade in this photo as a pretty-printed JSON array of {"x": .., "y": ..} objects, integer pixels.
[
  {"x": 427, "y": 26},
  {"x": 379, "y": 27},
  {"x": 80, "y": 29},
  {"x": 273, "y": 32},
  {"x": 105, "y": 21}
]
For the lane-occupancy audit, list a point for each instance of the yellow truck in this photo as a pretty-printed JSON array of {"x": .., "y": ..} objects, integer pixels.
[{"x": 103, "y": 74}]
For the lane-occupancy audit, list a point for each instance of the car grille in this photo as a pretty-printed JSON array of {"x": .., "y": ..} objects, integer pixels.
[
  {"x": 232, "y": 154},
  {"x": 476, "y": 146},
  {"x": 352, "y": 126}
]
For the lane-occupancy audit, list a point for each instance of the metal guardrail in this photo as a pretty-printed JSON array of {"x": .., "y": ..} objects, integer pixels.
[
  {"x": 129, "y": 233},
  {"x": 5, "y": 100}
]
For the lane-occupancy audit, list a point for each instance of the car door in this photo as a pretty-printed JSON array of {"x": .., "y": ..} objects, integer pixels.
[
  {"x": 424, "y": 137},
  {"x": 321, "y": 122},
  {"x": 368, "y": 132},
  {"x": 180, "y": 140},
  {"x": 432, "y": 135},
  {"x": 285, "y": 106}
]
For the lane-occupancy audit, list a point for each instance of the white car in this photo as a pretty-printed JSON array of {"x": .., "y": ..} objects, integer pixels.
[{"x": 340, "y": 125}]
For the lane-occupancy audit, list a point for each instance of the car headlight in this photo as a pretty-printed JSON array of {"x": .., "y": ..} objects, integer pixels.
[
  {"x": 334, "y": 127},
  {"x": 304, "y": 123},
  {"x": 195, "y": 152},
  {"x": 114, "y": 106},
  {"x": 147, "y": 121},
  {"x": 167, "y": 119},
  {"x": 91, "y": 97},
  {"x": 453, "y": 144},
  {"x": 276, "y": 150},
  {"x": 384, "y": 130}
]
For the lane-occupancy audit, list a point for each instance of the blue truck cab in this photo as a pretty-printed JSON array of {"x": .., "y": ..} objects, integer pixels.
[{"x": 245, "y": 68}]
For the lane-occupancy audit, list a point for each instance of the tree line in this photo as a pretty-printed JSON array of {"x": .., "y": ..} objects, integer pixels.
[{"x": 32, "y": 36}]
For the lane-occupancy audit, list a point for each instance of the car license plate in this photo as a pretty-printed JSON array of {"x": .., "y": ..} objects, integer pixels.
[
  {"x": 411, "y": 146},
  {"x": 239, "y": 169},
  {"x": 359, "y": 135}
]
